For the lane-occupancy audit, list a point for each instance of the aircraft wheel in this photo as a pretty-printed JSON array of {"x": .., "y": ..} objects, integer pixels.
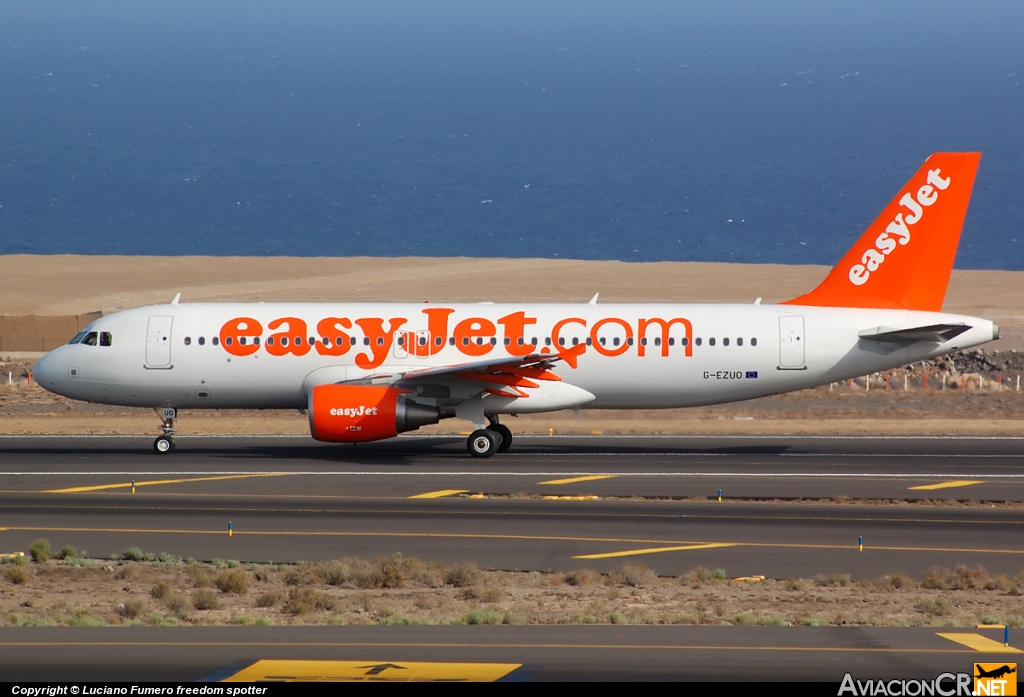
[
  {"x": 506, "y": 436},
  {"x": 483, "y": 443},
  {"x": 163, "y": 444}
]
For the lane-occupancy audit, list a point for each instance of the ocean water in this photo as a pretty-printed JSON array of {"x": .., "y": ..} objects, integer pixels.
[{"x": 639, "y": 131}]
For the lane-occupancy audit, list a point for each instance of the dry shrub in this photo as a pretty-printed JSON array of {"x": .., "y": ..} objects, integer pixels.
[
  {"x": 204, "y": 599},
  {"x": 333, "y": 573},
  {"x": 897, "y": 581},
  {"x": 268, "y": 599},
  {"x": 302, "y": 601},
  {"x": 934, "y": 579},
  {"x": 18, "y": 575},
  {"x": 67, "y": 552},
  {"x": 128, "y": 572},
  {"x": 462, "y": 574},
  {"x": 39, "y": 551},
  {"x": 967, "y": 579},
  {"x": 130, "y": 609},
  {"x": 235, "y": 581},
  {"x": 634, "y": 574},
  {"x": 197, "y": 576},
  {"x": 1001, "y": 582},
  {"x": 423, "y": 574},
  {"x": 179, "y": 604},
  {"x": 386, "y": 572},
  {"x": 936, "y": 607},
  {"x": 302, "y": 575},
  {"x": 583, "y": 577},
  {"x": 698, "y": 576},
  {"x": 160, "y": 590},
  {"x": 832, "y": 580},
  {"x": 794, "y": 584}
]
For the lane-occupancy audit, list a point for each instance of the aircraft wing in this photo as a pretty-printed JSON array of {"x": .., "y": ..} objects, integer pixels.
[
  {"x": 938, "y": 333},
  {"x": 510, "y": 374}
]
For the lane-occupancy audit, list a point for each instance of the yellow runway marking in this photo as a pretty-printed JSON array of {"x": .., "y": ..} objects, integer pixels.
[
  {"x": 439, "y": 494},
  {"x": 653, "y": 550},
  {"x": 574, "y": 480},
  {"x": 372, "y": 671},
  {"x": 979, "y": 643},
  {"x": 485, "y": 536},
  {"x": 128, "y": 485},
  {"x": 945, "y": 485},
  {"x": 571, "y": 498}
]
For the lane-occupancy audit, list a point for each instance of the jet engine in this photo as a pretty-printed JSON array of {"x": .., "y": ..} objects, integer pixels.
[{"x": 362, "y": 413}]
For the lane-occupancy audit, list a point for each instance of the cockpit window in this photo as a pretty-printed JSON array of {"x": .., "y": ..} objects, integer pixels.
[
  {"x": 90, "y": 339},
  {"x": 78, "y": 337},
  {"x": 106, "y": 339}
]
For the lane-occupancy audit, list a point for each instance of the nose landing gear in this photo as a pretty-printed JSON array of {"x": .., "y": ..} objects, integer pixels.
[{"x": 165, "y": 443}]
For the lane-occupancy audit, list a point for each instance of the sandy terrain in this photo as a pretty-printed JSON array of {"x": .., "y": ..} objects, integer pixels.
[{"x": 86, "y": 592}]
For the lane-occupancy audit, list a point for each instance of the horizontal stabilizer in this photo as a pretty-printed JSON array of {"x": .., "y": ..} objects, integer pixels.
[{"x": 938, "y": 333}]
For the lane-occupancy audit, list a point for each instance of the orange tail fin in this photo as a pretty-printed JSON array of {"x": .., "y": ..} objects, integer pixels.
[{"x": 905, "y": 257}]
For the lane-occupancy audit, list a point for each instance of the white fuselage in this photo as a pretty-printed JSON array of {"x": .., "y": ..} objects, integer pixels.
[{"x": 644, "y": 356}]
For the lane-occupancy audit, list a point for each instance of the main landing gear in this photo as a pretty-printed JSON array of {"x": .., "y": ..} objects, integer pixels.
[
  {"x": 485, "y": 442},
  {"x": 165, "y": 443}
]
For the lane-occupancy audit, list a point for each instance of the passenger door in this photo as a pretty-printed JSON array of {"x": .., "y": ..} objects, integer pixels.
[
  {"x": 791, "y": 343},
  {"x": 158, "y": 343}
]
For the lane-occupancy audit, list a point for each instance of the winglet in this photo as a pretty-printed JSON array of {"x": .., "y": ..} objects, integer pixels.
[
  {"x": 176, "y": 299},
  {"x": 904, "y": 259}
]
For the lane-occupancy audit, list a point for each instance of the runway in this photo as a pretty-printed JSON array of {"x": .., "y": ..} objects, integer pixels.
[{"x": 552, "y": 503}]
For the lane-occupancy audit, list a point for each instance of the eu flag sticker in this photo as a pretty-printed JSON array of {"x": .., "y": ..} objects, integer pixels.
[{"x": 751, "y": 373}]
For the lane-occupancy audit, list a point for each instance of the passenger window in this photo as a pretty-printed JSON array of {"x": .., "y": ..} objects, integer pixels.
[
  {"x": 202, "y": 341},
  {"x": 270, "y": 341},
  {"x": 380, "y": 341},
  {"x": 241, "y": 340},
  {"x": 575, "y": 341},
  {"x": 672, "y": 341},
  {"x": 90, "y": 339},
  {"x": 298, "y": 341},
  {"x": 601, "y": 341},
  {"x": 547, "y": 341},
  {"x": 188, "y": 340},
  {"x": 78, "y": 337},
  {"x": 284, "y": 341},
  {"x": 725, "y": 342},
  {"x": 629, "y": 341},
  {"x": 401, "y": 341},
  {"x": 711, "y": 341},
  {"x": 352, "y": 340},
  {"x": 494, "y": 342},
  {"x": 312, "y": 341},
  {"x": 643, "y": 341},
  {"x": 256, "y": 340},
  {"x": 615, "y": 341},
  {"x": 657, "y": 341},
  {"x": 216, "y": 341},
  {"x": 533, "y": 341},
  {"x": 739, "y": 341},
  {"x": 438, "y": 341},
  {"x": 106, "y": 339},
  {"x": 698, "y": 341},
  {"x": 228, "y": 341},
  {"x": 508, "y": 341},
  {"x": 753, "y": 342},
  {"x": 561, "y": 341},
  {"x": 366, "y": 341},
  {"x": 451, "y": 341},
  {"x": 590, "y": 341},
  {"x": 684, "y": 341}
]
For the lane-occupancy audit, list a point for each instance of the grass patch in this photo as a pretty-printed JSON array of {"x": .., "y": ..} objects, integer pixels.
[
  {"x": 462, "y": 574},
  {"x": 302, "y": 601},
  {"x": 484, "y": 617},
  {"x": 130, "y": 609},
  {"x": 633, "y": 574},
  {"x": 66, "y": 552}
]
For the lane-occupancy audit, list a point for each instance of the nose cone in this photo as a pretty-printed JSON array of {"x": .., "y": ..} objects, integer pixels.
[{"x": 49, "y": 369}]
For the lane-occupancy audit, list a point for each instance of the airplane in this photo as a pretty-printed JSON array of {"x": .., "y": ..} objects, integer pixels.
[
  {"x": 995, "y": 672},
  {"x": 366, "y": 372}
]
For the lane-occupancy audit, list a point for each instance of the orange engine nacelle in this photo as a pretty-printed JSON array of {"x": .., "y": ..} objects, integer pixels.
[{"x": 361, "y": 413}]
